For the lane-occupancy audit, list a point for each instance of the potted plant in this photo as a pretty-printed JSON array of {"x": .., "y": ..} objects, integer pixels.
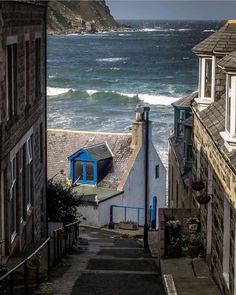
[
  {"x": 193, "y": 224},
  {"x": 198, "y": 185},
  {"x": 174, "y": 248},
  {"x": 128, "y": 225},
  {"x": 203, "y": 199},
  {"x": 195, "y": 243},
  {"x": 32, "y": 265}
]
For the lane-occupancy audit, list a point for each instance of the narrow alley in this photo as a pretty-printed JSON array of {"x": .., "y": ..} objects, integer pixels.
[{"x": 105, "y": 263}]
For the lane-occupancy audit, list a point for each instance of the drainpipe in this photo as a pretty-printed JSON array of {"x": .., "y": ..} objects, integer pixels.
[{"x": 145, "y": 233}]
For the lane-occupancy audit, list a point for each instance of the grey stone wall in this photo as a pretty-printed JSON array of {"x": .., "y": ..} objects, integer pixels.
[
  {"x": 21, "y": 20},
  {"x": 220, "y": 82}
]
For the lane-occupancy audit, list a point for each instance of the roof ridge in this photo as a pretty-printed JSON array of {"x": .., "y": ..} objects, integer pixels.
[
  {"x": 88, "y": 132},
  {"x": 94, "y": 145}
]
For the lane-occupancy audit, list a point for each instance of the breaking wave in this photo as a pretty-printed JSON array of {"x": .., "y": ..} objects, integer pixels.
[
  {"x": 151, "y": 99},
  {"x": 207, "y": 31},
  {"x": 112, "y": 59}
]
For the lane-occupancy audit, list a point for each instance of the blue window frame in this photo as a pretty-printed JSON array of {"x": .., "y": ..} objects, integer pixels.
[{"x": 83, "y": 168}]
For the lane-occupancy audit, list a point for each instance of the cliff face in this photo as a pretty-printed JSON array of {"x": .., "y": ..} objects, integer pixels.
[{"x": 68, "y": 16}]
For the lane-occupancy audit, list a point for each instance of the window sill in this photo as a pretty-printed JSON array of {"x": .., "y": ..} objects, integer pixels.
[
  {"x": 203, "y": 102},
  {"x": 230, "y": 142}
]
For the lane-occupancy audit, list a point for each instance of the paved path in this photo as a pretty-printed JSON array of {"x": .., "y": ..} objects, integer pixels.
[{"x": 107, "y": 265}]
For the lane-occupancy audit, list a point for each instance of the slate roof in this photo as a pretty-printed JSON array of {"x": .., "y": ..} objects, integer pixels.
[
  {"x": 188, "y": 122},
  {"x": 186, "y": 101},
  {"x": 99, "y": 151},
  {"x": 213, "y": 118},
  {"x": 228, "y": 62},
  {"x": 63, "y": 143},
  {"x": 221, "y": 42}
]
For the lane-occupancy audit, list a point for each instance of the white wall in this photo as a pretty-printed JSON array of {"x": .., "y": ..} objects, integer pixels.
[
  {"x": 134, "y": 188},
  {"x": 104, "y": 210},
  {"x": 90, "y": 213}
]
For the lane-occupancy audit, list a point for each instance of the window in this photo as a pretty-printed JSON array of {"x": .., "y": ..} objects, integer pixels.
[
  {"x": 84, "y": 171},
  {"x": 229, "y": 135},
  {"x": 37, "y": 67},
  {"x": 157, "y": 171},
  {"x": 13, "y": 197},
  {"x": 180, "y": 117},
  {"x": 29, "y": 172},
  {"x": 27, "y": 73},
  {"x": 11, "y": 80},
  {"x": 41, "y": 142},
  {"x": 206, "y": 77}
]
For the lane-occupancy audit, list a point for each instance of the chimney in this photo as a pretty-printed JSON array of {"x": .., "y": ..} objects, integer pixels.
[{"x": 138, "y": 126}]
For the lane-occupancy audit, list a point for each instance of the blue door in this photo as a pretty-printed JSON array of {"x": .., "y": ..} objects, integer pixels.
[{"x": 154, "y": 213}]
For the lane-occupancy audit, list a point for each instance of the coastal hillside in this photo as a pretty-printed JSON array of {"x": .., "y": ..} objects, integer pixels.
[{"x": 66, "y": 17}]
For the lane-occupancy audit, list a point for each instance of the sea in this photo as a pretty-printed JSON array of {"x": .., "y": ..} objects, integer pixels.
[{"x": 95, "y": 81}]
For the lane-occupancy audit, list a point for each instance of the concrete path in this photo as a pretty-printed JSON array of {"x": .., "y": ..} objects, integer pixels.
[{"x": 106, "y": 265}]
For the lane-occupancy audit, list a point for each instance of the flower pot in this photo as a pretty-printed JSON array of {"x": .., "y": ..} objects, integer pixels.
[
  {"x": 128, "y": 226},
  {"x": 193, "y": 250},
  {"x": 31, "y": 271},
  {"x": 193, "y": 227},
  {"x": 198, "y": 185},
  {"x": 203, "y": 199}
]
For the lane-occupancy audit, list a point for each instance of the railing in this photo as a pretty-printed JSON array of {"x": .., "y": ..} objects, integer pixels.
[
  {"x": 23, "y": 278},
  {"x": 138, "y": 209},
  {"x": 69, "y": 234}
]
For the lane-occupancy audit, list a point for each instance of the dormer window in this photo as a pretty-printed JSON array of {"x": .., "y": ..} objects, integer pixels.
[
  {"x": 91, "y": 164},
  {"x": 206, "y": 78},
  {"x": 229, "y": 135}
]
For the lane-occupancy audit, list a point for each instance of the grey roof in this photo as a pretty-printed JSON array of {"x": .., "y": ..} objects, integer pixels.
[
  {"x": 228, "y": 62},
  {"x": 99, "y": 151},
  {"x": 94, "y": 194},
  {"x": 221, "y": 42},
  {"x": 186, "y": 101},
  {"x": 213, "y": 118},
  {"x": 63, "y": 143}
]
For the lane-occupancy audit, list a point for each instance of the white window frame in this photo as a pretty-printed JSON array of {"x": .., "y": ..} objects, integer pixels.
[
  {"x": 229, "y": 136},
  {"x": 232, "y": 123},
  {"x": 202, "y": 74}
]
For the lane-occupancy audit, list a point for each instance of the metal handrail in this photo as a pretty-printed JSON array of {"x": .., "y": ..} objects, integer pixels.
[{"x": 24, "y": 261}]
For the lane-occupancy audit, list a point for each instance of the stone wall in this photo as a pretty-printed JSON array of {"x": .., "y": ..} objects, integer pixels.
[
  {"x": 223, "y": 189},
  {"x": 21, "y": 21}
]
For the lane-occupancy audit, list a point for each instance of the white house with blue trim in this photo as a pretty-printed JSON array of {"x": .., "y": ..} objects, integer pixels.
[{"x": 108, "y": 171}]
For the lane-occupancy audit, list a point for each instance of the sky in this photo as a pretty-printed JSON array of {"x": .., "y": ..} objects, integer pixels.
[{"x": 188, "y": 9}]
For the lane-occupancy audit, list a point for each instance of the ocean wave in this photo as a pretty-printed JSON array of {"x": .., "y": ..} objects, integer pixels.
[
  {"x": 53, "y": 91},
  {"x": 157, "y": 99},
  {"x": 51, "y": 77},
  {"x": 152, "y": 99},
  {"x": 211, "y": 30},
  {"x": 184, "y": 30},
  {"x": 112, "y": 59},
  {"x": 115, "y": 69},
  {"x": 91, "y": 92}
]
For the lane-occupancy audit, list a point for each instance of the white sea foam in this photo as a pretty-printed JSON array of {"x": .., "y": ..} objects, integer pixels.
[
  {"x": 184, "y": 30},
  {"x": 52, "y": 91},
  {"x": 51, "y": 76},
  {"x": 112, "y": 59},
  {"x": 91, "y": 92},
  {"x": 157, "y": 99},
  {"x": 130, "y": 95},
  {"x": 206, "y": 31},
  {"x": 115, "y": 69}
]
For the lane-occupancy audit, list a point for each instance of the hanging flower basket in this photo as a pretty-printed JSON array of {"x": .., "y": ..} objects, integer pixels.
[
  {"x": 203, "y": 199},
  {"x": 198, "y": 185}
]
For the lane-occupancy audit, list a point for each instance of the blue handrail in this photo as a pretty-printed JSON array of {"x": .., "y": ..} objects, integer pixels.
[{"x": 125, "y": 207}]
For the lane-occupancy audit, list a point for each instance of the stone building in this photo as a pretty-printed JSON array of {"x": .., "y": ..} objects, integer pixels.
[
  {"x": 180, "y": 155},
  {"x": 214, "y": 153},
  {"x": 22, "y": 124},
  {"x": 109, "y": 171}
]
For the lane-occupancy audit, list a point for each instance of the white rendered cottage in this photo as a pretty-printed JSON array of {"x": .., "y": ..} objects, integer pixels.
[{"x": 109, "y": 172}]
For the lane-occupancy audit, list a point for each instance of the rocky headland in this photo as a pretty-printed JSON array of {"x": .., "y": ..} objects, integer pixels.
[{"x": 74, "y": 17}]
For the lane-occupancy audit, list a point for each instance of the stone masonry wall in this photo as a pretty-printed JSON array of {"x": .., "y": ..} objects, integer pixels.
[
  {"x": 220, "y": 81},
  {"x": 223, "y": 185}
]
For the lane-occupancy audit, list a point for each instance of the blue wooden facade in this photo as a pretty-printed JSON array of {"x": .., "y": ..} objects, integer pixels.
[
  {"x": 181, "y": 114},
  {"x": 84, "y": 158}
]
